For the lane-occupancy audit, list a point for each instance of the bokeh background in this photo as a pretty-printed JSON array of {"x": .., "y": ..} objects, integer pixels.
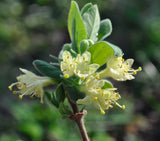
[{"x": 33, "y": 29}]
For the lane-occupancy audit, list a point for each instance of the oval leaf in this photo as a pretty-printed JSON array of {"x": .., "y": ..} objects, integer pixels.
[
  {"x": 52, "y": 98},
  {"x": 76, "y": 26},
  {"x": 85, "y": 8},
  {"x": 47, "y": 69},
  {"x": 105, "y": 29},
  {"x": 100, "y": 52},
  {"x": 117, "y": 50},
  {"x": 60, "y": 93},
  {"x": 91, "y": 20}
]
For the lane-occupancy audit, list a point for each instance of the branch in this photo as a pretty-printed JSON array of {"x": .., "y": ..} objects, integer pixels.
[{"x": 78, "y": 117}]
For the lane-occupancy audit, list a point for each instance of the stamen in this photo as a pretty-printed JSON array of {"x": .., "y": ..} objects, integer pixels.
[
  {"x": 20, "y": 97},
  {"x": 109, "y": 102},
  {"x": 83, "y": 77},
  {"x": 97, "y": 77},
  {"x": 66, "y": 76},
  {"x": 10, "y": 87},
  {"x": 78, "y": 71},
  {"x": 123, "y": 107},
  {"x": 86, "y": 70},
  {"x": 103, "y": 94},
  {"x": 95, "y": 98},
  {"x": 15, "y": 92},
  {"x": 134, "y": 73},
  {"x": 117, "y": 95},
  {"x": 102, "y": 112},
  {"x": 77, "y": 62},
  {"x": 99, "y": 90},
  {"x": 140, "y": 69}
]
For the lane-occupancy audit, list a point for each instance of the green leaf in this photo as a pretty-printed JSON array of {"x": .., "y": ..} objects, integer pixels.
[
  {"x": 117, "y": 51},
  {"x": 47, "y": 69},
  {"x": 76, "y": 26},
  {"x": 74, "y": 94},
  {"x": 52, "y": 98},
  {"x": 63, "y": 110},
  {"x": 60, "y": 93},
  {"x": 71, "y": 82},
  {"x": 105, "y": 29},
  {"x": 91, "y": 20},
  {"x": 56, "y": 97},
  {"x": 85, "y": 8},
  {"x": 100, "y": 52},
  {"x": 107, "y": 84}
]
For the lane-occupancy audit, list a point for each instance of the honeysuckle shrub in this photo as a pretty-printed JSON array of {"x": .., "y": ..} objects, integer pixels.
[{"x": 83, "y": 66}]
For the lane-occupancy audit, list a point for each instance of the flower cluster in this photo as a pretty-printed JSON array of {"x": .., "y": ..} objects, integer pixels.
[
  {"x": 83, "y": 65},
  {"x": 103, "y": 98}
]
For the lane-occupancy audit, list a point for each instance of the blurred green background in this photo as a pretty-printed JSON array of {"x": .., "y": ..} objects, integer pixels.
[{"x": 33, "y": 29}]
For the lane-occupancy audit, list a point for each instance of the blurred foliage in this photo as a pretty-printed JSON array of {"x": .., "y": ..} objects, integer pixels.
[{"x": 31, "y": 29}]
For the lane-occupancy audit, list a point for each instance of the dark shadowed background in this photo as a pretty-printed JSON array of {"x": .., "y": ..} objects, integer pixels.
[{"x": 33, "y": 29}]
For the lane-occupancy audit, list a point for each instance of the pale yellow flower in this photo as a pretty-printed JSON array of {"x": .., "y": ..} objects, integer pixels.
[
  {"x": 119, "y": 69},
  {"x": 103, "y": 99},
  {"x": 84, "y": 68},
  {"x": 68, "y": 64},
  {"x": 30, "y": 84},
  {"x": 79, "y": 66}
]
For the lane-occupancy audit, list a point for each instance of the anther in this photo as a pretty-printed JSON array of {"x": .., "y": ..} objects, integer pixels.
[
  {"x": 117, "y": 95},
  {"x": 134, "y": 73},
  {"x": 95, "y": 98},
  {"x": 15, "y": 92},
  {"x": 83, "y": 77},
  {"x": 99, "y": 90},
  {"x": 10, "y": 88},
  {"x": 97, "y": 77},
  {"x": 66, "y": 76},
  {"x": 102, "y": 112},
  {"x": 123, "y": 107},
  {"x": 139, "y": 68},
  {"x": 20, "y": 97}
]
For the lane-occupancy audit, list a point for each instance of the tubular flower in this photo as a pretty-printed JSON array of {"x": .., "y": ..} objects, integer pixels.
[
  {"x": 119, "y": 69},
  {"x": 68, "y": 64},
  {"x": 30, "y": 84},
  {"x": 83, "y": 68},
  {"x": 103, "y": 99}
]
